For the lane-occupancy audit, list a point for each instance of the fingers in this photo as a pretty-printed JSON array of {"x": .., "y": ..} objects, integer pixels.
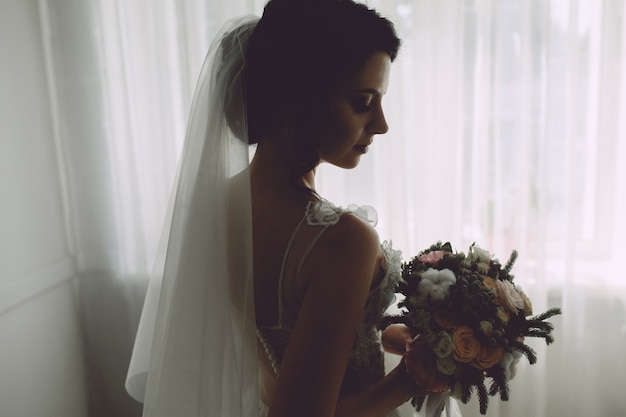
[{"x": 421, "y": 365}]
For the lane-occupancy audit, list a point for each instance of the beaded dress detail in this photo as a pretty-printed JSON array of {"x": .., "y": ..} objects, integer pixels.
[{"x": 366, "y": 363}]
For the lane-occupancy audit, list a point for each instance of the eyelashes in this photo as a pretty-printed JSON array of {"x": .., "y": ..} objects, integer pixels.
[{"x": 363, "y": 103}]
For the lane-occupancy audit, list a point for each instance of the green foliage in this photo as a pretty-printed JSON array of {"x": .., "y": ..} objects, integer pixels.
[{"x": 499, "y": 383}]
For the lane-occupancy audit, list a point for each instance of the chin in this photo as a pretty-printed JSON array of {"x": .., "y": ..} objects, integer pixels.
[
  {"x": 345, "y": 163},
  {"x": 350, "y": 164}
]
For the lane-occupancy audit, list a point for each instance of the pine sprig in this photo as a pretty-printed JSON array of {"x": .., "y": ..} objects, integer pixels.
[
  {"x": 537, "y": 327},
  {"x": 483, "y": 398},
  {"x": 499, "y": 383},
  {"x": 526, "y": 350},
  {"x": 554, "y": 311},
  {"x": 466, "y": 394},
  {"x": 509, "y": 264}
]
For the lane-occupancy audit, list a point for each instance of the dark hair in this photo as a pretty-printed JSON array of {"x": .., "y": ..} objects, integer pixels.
[{"x": 300, "y": 52}]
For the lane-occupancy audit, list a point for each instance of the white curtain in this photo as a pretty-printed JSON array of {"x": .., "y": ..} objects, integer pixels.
[
  {"x": 121, "y": 75},
  {"x": 508, "y": 128}
]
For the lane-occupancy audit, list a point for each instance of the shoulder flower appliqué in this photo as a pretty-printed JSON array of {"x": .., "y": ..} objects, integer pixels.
[{"x": 322, "y": 213}]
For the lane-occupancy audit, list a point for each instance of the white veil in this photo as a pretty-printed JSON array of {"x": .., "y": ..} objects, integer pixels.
[{"x": 195, "y": 350}]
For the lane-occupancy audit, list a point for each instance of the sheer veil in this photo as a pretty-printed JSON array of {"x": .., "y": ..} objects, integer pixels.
[{"x": 195, "y": 350}]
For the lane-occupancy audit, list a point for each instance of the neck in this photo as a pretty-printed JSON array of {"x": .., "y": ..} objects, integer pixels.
[{"x": 271, "y": 166}]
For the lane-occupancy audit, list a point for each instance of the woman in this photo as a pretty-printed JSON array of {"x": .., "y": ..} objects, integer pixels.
[{"x": 310, "y": 92}]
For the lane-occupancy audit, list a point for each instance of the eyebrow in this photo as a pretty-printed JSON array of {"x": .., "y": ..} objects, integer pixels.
[{"x": 367, "y": 91}]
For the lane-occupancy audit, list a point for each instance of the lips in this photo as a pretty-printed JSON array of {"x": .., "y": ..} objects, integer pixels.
[{"x": 363, "y": 147}]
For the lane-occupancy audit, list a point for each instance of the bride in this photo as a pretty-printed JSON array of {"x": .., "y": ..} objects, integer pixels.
[{"x": 268, "y": 297}]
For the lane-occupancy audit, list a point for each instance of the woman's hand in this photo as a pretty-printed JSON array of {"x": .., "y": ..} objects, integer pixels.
[
  {"x": 418, "y": 361},
  {"x": 421, "y": 365},
  {"x": 395, "y": 338}
]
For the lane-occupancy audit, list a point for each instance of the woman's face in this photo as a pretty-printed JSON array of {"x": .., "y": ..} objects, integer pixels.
[{"x": 355, "y": 114}]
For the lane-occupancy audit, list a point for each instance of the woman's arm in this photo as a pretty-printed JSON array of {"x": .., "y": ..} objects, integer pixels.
[
  {"x": 338, "y": 275},
  {"x": 378, "y": 399},
  {"x": 395, "y": 338}
]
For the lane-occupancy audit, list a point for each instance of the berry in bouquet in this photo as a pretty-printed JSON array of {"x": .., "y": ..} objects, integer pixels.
[{"x": 473, "y": 317}]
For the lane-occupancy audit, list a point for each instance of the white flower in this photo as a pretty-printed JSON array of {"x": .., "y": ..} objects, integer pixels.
[
  {"x": 436, "y": 283},
  {"x": 476, "y": 253},
  {"x": 509, "y": 364}
]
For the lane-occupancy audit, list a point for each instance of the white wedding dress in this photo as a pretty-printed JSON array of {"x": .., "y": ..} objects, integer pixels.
[{"x": 366, "y": 363}]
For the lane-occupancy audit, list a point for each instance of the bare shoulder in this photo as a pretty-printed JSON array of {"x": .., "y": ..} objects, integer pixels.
[
  {"x": 348, "y": 250},
  {"x": 351, "y": 232}
]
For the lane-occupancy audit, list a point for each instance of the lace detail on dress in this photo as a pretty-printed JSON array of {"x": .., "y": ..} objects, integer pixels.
[
  {"x": 324, "y": 213},
  {"x": 366, "y": 363}
]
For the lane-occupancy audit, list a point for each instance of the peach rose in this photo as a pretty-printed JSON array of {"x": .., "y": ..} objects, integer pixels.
[
  {"x": 487, "y": 357},
  {"x": 490, "y": 284},
  {"x": 466, "y": 346}
]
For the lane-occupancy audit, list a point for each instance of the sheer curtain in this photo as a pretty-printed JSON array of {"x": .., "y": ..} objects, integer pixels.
[
  {"x": 121, "y": 74},
  {"x": 508, "y": 128},
  {"x": 508, "y": 123}
]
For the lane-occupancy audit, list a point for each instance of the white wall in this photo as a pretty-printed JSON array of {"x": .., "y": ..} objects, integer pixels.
[{"x": 41, "y": 358}]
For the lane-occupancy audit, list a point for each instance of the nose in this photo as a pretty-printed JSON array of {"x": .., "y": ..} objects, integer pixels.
[{"x": 378, "y": 124}]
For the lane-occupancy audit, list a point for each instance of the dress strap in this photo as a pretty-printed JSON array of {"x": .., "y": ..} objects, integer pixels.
[
  {"x": 309, "y": 248},
  {"x": 317, "y": 213},
  {"x": 281, "y": 277}
]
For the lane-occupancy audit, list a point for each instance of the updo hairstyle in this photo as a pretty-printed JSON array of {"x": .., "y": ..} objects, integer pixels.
[{"x": 299, "y": 54}]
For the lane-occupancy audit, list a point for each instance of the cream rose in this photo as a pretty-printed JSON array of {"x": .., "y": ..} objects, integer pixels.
[
  {"x": 511, "y": 299},
  {"x": 502, "y": 315},
  {"x": 528, "y": 306},
  {"x": 476, "y": 253},
  {"x": 481, "y": 257},
  {"x": 486, "y": 327},
  {"x": 443, "y": 346},
  {"x": 446, "y": 366}
]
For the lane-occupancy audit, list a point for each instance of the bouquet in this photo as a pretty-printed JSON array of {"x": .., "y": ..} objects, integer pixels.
[{"x": 472, "y": 316}]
